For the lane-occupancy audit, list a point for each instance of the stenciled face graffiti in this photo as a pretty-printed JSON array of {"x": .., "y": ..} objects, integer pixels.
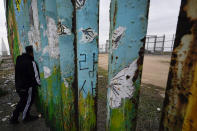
[
  {"x": 88, "y": 35},
  {"x": 116, "y": 36},
  {"x": 62, "y": 29},
  {"x": 121, "y": 86},
  {"x": 80, "y": 3}
]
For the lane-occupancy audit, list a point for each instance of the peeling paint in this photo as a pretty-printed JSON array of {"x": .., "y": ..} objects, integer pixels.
[
  {"x": 182, "y": 52},
  {"x": 52, "y": 36},
  {"x": 121, "y": 86},
  {"x": 34, "y": 33}
]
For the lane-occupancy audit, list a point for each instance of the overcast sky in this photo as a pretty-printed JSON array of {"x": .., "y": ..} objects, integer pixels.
[
  {"x": 163, "y": 15},
  {"x": 3, "y": 33}
]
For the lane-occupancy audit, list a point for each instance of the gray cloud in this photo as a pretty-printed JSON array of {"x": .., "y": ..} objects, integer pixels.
[{"x": 163, "y": 16}]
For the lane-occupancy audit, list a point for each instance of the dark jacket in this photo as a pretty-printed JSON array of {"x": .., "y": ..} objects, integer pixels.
[{"x": 26, "y": 73}]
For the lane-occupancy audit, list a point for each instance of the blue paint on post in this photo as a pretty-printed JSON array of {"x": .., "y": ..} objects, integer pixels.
[
  {"x": 65, "y": 16},
  {"x": 87, "y": 54},
  {"x": 44, "y": 57},
  {"x": 128, "y": 25},
  {"x": 60, "y": 48}
]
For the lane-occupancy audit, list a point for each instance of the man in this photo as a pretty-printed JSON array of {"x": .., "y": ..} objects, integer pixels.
[{"x": 26, "y": 80}]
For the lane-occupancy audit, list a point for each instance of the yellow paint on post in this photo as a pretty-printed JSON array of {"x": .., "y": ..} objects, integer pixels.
[
  {"x": 190, "y": 121},
  {"x": 18, "y": 2}
]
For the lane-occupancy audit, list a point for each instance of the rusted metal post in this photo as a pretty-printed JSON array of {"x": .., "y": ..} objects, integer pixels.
[
  {"x": 87, "y": 12},
  {"x": 180, "y": 104},
  {"x": 128, "y": 26}
]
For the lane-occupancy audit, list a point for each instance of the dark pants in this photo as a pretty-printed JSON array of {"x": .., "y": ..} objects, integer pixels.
[{"x": 24, "y": 104}]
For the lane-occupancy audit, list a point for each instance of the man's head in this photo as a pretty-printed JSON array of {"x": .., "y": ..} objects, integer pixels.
[{"x": 29, "y": 50}]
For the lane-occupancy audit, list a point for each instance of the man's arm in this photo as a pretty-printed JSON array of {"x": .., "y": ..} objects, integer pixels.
[
  {"x": 33, "y": 74},
  {"x": 36, "y": 72}
]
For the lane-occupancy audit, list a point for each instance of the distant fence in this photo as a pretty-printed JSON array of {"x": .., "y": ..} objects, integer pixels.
[
  {"x": 154, "y": 45},
  {"x": 159, "y": 44},
  {"x": 104, "y": 48}
]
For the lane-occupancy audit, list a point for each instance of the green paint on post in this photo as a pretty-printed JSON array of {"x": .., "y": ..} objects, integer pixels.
[
  {"x": 13, "y": 37},
  {"x": 87, "y": 114}
]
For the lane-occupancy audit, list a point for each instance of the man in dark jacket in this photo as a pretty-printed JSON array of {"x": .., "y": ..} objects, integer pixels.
[{"x": 26, "y": 80}]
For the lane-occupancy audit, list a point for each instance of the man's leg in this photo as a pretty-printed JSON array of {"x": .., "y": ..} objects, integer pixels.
[
  {"x": 28, "y": 104},
  {"x": 19, "y": 107},
  {"x": 31, "y": 102}
]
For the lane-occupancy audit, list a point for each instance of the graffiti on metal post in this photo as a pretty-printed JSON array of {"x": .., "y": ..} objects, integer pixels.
[
  {"x": 82, "y": 88},
  {"x": 125, "y": 44},
  {"x": 116, "y": 36},
  {"x": 91, "y": 72},
  {"x": 80, "y": 3},
  {"x": 68, "y": 67},
  {"x": 121, "y": 86},
  {"x": 87, "y": 43},
  {"x": 88, "y": 35},
  {"x": 83, "y": 61},
  {"x": 62, "y": 29}
]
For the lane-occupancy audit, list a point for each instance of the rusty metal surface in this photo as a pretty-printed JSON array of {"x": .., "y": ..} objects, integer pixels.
[{"x": 180, "y": 104}]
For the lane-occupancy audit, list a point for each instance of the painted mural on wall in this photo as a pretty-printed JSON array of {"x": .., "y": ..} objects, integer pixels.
[
  {"x": 52, "y": 32},
  {"x": 125, "y": 68}
]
